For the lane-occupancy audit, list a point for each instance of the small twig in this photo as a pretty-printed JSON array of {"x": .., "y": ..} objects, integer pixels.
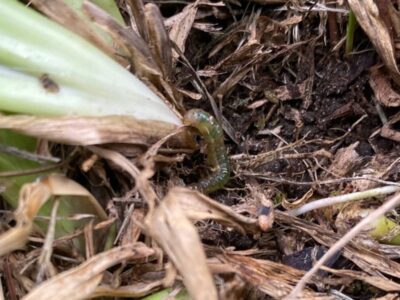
[
  {"x": 75, "y": 234},
  {"x": 323, "y": 182},
  {"x": 9, "y": 280},
  {"x": 27, "y": 155},
  {"x": 74, "y": 217},
  {"x": 344, "y": 198},
  {"x": 380, "y": 111},
  {"x": 388, "y": 205},
  {"x": 125, "y": 223},
  {"x": 45, "y": 257},
  {"x": 31, "y": 171}
]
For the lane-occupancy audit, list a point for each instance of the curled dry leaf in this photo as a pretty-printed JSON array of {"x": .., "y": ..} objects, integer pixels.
[
  {"x": 171, "y": 225},
  {"x": 81, "y": 282},
  {"x": 32, "y": 198},
  {"x": 77, "y": 130},
  {"x": 382, "y": 89},
  {"x": 368, "y": 17}
]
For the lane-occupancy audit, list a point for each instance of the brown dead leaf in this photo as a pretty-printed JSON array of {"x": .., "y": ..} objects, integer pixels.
[
  {"x": 346, "y": 159},
  {"x": 76, "y": 130},
  {"x": 290, "y": 91},
  {"x": 182, "y": 25},
  {"x": 367, "y": 14},
  {"x": 382, "y": 89},
  {"x": 80, "y": 282},
  {"x": 33, "y": 196}
]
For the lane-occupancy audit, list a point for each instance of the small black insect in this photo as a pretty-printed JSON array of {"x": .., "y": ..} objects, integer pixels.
[{"x": 49, "y": 84}]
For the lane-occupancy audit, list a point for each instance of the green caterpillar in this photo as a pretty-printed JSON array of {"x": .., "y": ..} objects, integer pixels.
[{"x": 217, "y": 157}]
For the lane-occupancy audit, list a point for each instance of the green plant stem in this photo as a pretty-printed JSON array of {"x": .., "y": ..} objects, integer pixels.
[{"x": 351, "y": 28}]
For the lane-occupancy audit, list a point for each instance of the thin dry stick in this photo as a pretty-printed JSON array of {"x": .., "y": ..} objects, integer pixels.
[
  {"x": 31, "y": 171},
  {"x": 27, "y": 155},
  {"x": 388, "y": 205},
  {"x": 46, "y": 267},
  {"x": 344, "y": 198},
  {"x": 318, "y": 182}
]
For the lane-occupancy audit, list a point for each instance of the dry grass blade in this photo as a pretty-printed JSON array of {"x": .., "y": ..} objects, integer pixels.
[
  {"x": 381, "y": 283},
  {"x": 368, "y": 17},
  {"x": 137, "y": 10},
  {"x": 92, "y": 130},
  {"x": 81, "y": 282},
  {"x": 33, "y": 196},
  {"x": 173, "y": 230},
  {"x": 198, "y": 207}
]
